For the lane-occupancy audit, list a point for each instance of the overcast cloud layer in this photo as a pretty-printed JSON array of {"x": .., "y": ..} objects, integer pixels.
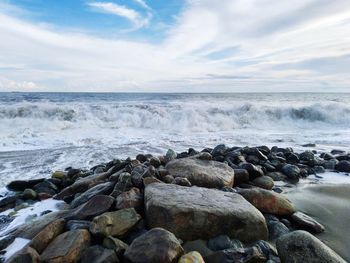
[{"x": 226, "y": 46}]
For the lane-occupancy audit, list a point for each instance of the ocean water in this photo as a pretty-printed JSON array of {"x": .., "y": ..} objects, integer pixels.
[{"x": 42, "y": 132}]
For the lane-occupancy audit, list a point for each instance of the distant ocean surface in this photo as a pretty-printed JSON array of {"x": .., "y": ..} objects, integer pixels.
[{"x": 42, "y": 132}]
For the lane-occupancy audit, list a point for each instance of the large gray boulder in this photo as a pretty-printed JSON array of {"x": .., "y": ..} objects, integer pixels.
[
  {"x": 301, "y": 246},
  {"x": 200, "y": 213},
  {"x": 204, "y": 173}
]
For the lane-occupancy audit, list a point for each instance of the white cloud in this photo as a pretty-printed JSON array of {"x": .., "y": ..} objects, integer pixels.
[
  {"x": 263, "y": 45},
  {"x": 11, "y": 85},
  {"x": 112, "y": 8}
]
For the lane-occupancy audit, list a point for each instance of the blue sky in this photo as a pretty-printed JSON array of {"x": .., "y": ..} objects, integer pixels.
[{"x": 175, "y": 46}]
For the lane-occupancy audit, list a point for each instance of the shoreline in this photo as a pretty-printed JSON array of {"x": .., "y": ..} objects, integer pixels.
[{"x": 135, "y": 188}]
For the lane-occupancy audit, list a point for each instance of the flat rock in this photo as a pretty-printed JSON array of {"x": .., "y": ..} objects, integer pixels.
[
  {"x": 95, "y": 206},
  {"x": 307, "y": 222},
  {"x": 301, "y": 246},
  {"x": 21, "y": 185},
  {"x": 268, "y": 201},
  {"x": 205, "y": 173},
  {"x": 116, "y": 223},
  {"x": 200, "y": 213},
  {"x": 67, "y": 247},
  {"x": 155, "y": 246},
  {"x": 130, "y": 199}
]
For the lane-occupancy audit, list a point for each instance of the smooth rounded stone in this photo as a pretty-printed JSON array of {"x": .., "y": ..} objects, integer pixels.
[
  {"x": 59, "y": 175},
  {"x": 277, "y": 176},
  {"x": 155, "y": 162},
  {"x": 241, "y": 255},
  {"x": 200, "y": 213},
  {"x": 45, "y": 236},
  {"x": 100, "y": 189},
  {"x": 253, "y": 170},
  {"x": 25, "y": 255},
  {"x": 67, "y": 247},
  {"x": 330, "y": 164},
  {"x": 116, "y": 244},
  {"x": 21, "y": 185},
  {"x": 223, "y": 242},
  {"x": 151, "y": 180},
  {"x": 191, "y": 257},
  {"x": 203, "y": 156},
  {"x": 219, "y": 150},
  {"x": 241, "y": 177},
  {"x": 181, "y": 181},
  {"x": 170, "y": 155},
  {"x": 123, "y": 184},
  {"x": 198, "y": 245},
  {"x": 343, "y": 166},
  {"x": 141, "y": 158},
  {"x": 116, "y": 223},
  {"x": 138, "y": 173},
  {"x": 253, "y": 159},
  {"x": 293, "y": 158},
  {"x": 99, "y": 254},
  {"x": 46, "y": 187},
  {"x": 78, "y": 224},
  {"x": 269, "y": 166},
  {"x": 155, "y": 246},
  {"x": 291, "y": 171},
  {"x": 276, "y": 229},
  {"x": 307, "y": 222},
  {"x": 268, "y": 201},
  {"x": 97, "y": 205},
  {"x": 130, "y": 199},
  {"x": 301, "y": 246},
  {"x": 307, "y": 156},
  {"x": 29, "y": 194},
  {"x": 254, "y": 151},
  {"x": 210, "y": 174},
  {"x": 168, "y": 179},
  {"x": 99, "y": 169},
  {"x": 264, "y": 182},
  {"x": 44, "y": 196},
  {"x": 318, "y": 169}
]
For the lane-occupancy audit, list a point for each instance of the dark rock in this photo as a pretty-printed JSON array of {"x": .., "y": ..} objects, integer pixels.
[
  {"x": 330, "y": 164},
  {"x": 67, "y": 247},
  {"x": 293, "y": 158},
  {"x": 168, "y": 179},
  {"x": 301, "y": 246},
  {"x": 138, "y": 173},
  {"x": 264, "y": 182},
  {"x": 219, "y": 150},
  {"x": 46, "y": 187},
  {"x": 78, "y": 224},
  {"x": 100, "y": 189},
  {"x": 277, "y": 176},
  {"x": 194, "y": 213},
  {"x": 130, "y": 199},
  {"x": 8, "y": 202},
  {"x": 116, "y": 244},
  {"x": 47, "y": 235},
  {"x": 268, "y": 201},
  {"x": 276, "y": 229},
  {"x": 116, "y": 223},
  {"x": 241, "y": 177},
  {"x": 269, "y": 251},
  {"x": 155, "y": 162},
  {"x": 203, "y": 173},
  {"x": 157, "y": 245},
  {"x": 123, "y": 184},
  {"x": 141, "y": 157},
  {"x": 25, "y": 255},
  {"x": 97, "y": 205},
  {"x": 335, "y": 151},
  {"x": 73, "y": 172},
  {"x": 181, "y": 181},
  {"x": 170, "y": 155},
  {"x": 307, "y": 223},
  {"x": 29, "y": 194},
  {"x": 291, "y": 171},
  {"x": 223, "y": 242},
  {"x": 343, "y": 166},
  {"x": 309, "y": 145},
  {"x": 99, "y": 254},
  {"x": 151, "y": 180},
  {"x": 239, "y": 255},
  {"x": 318, "y": 169},
  {"x": 198, "y": 245},
  {"x": 254, "y": 171},
  {"x": 22, "y": 185}
]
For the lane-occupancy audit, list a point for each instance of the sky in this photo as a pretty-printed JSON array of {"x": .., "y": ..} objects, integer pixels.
[{"x": 175, "y": 45}]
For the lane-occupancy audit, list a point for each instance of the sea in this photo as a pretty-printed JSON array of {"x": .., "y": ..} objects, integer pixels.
[{"x": 43, "y": 132}]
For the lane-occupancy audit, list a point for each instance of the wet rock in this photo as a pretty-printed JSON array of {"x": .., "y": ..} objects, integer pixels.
[
  {"x": 25, "y": 255},
  {"x": 116, "y": 223},
  {"x": 78, "y": 224},
  {"x": 116, "y": 244},
  {"x": 168, "y": 179},
  {"x": 223, "y": 242},
  {"x": 318, "y": 169},
  {"x": 46, "y": 187},
  {"x": 156, "y": 246},
  {"x": 191, "y": 257},
  {"x": 21, "y": 185},
  {"x": 45, "y": 236},
  {"x": 268, "y": 201},
  {"x": 219, "y": 150},
  {"x": 277, "y": 176},
  {"x": 306, "y": 222},
  {"x": 276, "y": 229},
  {"x": 59, "y": 175},
  {"x": 138, "y": 173},
  {"x": 181, "y": 181},
  {"x": 308, "y": 157},
  {"x": 198, "y": 245},
  {"x": 100, "y": 189},
  {"x": 293, "y": 158},
  {"x": 253, "y": 170},
  {"x": 123, "y": 184},
  {"x": 130, "y": 199},
  {"x": 29, "y": 194},
  {"x": 269, "y": 251},
  {"x": 99, "y": 254},
  {"x": 194, "y": 213},
  {"x": 155, "y": 162},
  {"x": 241, "y": 255},
  {"x": 330, "y": 164},
  {"x": 264, "y": 182},
  {"x": 301, "y": 246},
  {"x": 151, "y": 180},
  {"x": 67, "y": 247},
  {"x": 95, "y": 206},
  {"x": 343, "y": 166},
  {"x": 170, "y": 155},
  {"x": 241, "y": 177},
  {"x": 7, "y": 203},
  {"x": 291, "y": 171},
  {"x": 203, "y": 173}
]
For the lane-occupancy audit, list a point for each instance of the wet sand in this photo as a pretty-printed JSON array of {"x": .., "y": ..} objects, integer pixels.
[{"x": 330, "y": 205}]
